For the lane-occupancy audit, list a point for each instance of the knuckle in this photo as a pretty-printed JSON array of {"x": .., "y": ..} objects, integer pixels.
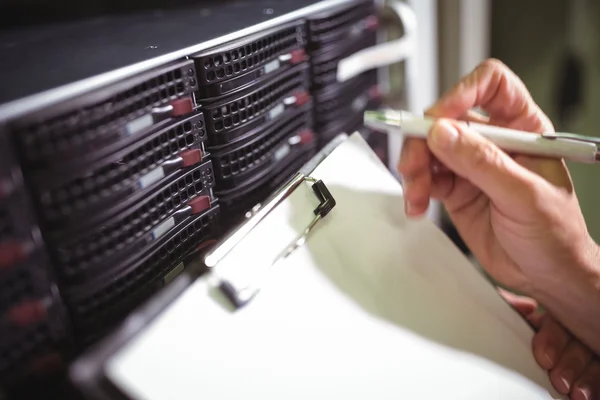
[
  {"x": 485, "y": 156},
  {"x": 553, "y": 335},
  {"x": 492, "y": 64},
  {"x": 594, "y": 370},
  {"x": 532, "y": 191},
  {"x": 414, "y": 157},
  {"x": 580, "y": 353},
  {"x": 546, "y": 124},
  {"x": 540, "y": 200},
  {"x": 576, "y": 356}
]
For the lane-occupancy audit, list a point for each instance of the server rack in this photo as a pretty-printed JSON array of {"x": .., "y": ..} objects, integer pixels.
[
  {"x": 334, "y": 35},
  {"x": 257, "y": 105},
  {"x": 34, "y": 327},
  {"x": 131, "y": 179},
  {"x": 117, "y": 175}
]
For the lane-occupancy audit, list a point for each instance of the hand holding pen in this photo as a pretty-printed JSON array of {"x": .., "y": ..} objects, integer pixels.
[{"x": 518, "y": 215}]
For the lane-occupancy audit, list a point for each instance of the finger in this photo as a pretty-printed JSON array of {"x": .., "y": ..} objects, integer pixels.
[
  {"x": 417, "y": 193},
  {"x": 474, "y": 116},
  {"x": 588, "y": 386},
  {"x": 415, "y": 158},
  {"x": 524, "y": 305},
  {"x": 414, "y": 166},
  {"x": 469, "y": 115},
  {"x": 479, "y": 161},
  {"x": 549, "y": 343},
  {"x": 571, "y": 366},
  {"x": 442, "y": 185},
  {"x": 437, "y": 167},
  {"x": 536, "y": 319},
  {"x": 493, "y": 87}
]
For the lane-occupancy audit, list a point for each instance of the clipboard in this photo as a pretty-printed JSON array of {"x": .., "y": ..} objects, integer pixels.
[
  {"x": 302, "y": 318},
  {"x": 88, "y": 374}
]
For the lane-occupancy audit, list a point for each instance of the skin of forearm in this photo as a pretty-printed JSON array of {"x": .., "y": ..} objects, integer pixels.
[{"x": 576, "y": 302}]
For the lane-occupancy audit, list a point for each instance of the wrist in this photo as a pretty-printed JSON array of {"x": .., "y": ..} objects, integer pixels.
[
  {"x": 594, "y": 261},
  {"x": 586, "y": 271},
  {"x": 575, "y": 302}
]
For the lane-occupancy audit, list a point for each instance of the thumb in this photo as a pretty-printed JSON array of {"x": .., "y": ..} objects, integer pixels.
[{"x": 479, "y": 161}]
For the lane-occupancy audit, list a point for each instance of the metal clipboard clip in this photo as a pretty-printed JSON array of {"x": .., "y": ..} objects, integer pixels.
[{"x": 240, "y": 294}]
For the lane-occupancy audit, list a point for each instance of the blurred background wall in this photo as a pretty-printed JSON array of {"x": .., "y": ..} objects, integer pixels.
[{"x": 534, "y": 38}]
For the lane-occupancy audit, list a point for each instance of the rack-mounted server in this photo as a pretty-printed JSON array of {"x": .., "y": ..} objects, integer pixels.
[{"x": 125, "y": 182}]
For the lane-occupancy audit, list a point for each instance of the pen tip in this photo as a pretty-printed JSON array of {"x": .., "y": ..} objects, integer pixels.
[
  {"x": 382, "y": 118},
  {"x": 372, "y": 115},
  {"x": 378, "y": 120}
]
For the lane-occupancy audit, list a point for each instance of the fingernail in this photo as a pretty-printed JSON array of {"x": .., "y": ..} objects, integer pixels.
[
  {"x": 444, "y": 135},
  {"x": 550, "y": 355},
  {"x": 567, "y": 378},
  {"x": 584, "y": 392}
]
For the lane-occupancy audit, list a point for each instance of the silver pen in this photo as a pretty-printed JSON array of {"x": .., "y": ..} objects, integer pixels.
[{"x": 571, "y": 147}]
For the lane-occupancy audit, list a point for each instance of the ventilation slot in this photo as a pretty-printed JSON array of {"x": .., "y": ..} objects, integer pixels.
[
  {"x": 26, "y": 346},
  {"x": 104, "y": 304},
  {"x": 100, "y": 122},
  {"x": 340, "y": 24},
  {"x": 341, "y": 101},
  {"x": 324, "y": 67},
  {"x": 104, "y": 181},
  {"x": 19, "y": 286},
  {"x": 122, "y": 230},
  {"x": 236, "y": 204},
  {"x": 254, "y": 154},
  {"x": 225, "y": 65},
  {"x": 233, "y": 115}
]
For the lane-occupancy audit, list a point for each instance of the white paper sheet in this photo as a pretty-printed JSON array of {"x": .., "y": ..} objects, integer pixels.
[{"x": 372, "y": 307}]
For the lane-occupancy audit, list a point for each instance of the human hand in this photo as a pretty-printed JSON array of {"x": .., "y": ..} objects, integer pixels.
[
  {"x": 572, "y": 368},
  {"x": 518, "y": 215}
]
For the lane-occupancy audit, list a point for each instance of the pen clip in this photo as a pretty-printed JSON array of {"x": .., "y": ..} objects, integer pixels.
[{"x": 571, "y": 136}]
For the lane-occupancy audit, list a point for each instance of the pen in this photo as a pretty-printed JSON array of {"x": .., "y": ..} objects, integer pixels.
[{"x": 571, "y": 147}]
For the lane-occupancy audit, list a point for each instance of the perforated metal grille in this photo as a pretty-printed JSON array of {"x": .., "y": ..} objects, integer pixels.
[
  {"x": 227, "y": 64},
  {"x": 345, "y": 97},
  {"x": 38, "y": 348},
  {"x": 120, "y": 232},
  {"x": 235, "y": 203},
  {"x": 348, "y": 124},
  {"x": 105, "y": 300},
  {"x": 237, "y": 161},
  {"x": 325, "y": 72},
  {"x": 295, "y": 164},
  {"x": 14, "y": 289},
  {"x": 28, "y": 344},
  {"x": 105, "y": 180},
  {"x": 237, "y": 112},
  {"x": 43, "y": 139},
  {"x": 341, "y": 20}
]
